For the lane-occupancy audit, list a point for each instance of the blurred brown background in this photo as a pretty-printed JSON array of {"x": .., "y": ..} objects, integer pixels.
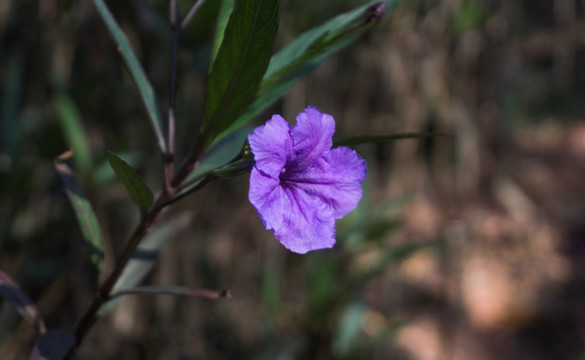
[{"x": 470, "y": 247}]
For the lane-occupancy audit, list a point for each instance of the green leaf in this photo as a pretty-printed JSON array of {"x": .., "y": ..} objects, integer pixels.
[
  {"x": 227, "y": 6},
  {"x": 135, "y": 70},
  {"x": 52, "y": 345},
  {"x": 313, "y": 46},
  {"x": 144, "y": 257},
  {"x": 83, "y": 210},
  {"x": 74, "y": 133},
  {"x": 137, "y": 188},
  {"x": 349, "y": 328},
  {"x": 148, "y": 250},
  {"x": 174, "y": 290},
  {"x": 296, "y": 60},
  {"x": 12, "y": 293},
  {"x": 221, "y": 153},
  {"x": 357, "y": 140},
  {"x": 103, "y": 174},
  {"x": 240, "y": 64}
]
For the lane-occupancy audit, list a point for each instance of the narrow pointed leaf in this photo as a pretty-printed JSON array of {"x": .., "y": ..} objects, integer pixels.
[
  {"x": 174, "y": 290},
  {"x": 149, "y": 249},
  {"x": 52, "y": 345},
  {"x": 135, "y": 70},
  {"x": 316, "y": 44},
  {"x": 299, "y": 58},
  {"x": 83, "y": 210},
  {"x": 12, "y": 293},
  {"x": 368, "y": 139},
  {"x": 137, "y": 188},
  {"x": 349, "y": 327},
  {"x": 221, "y": 153},
  {"x": 73, "y": 130},
  {"x": 103, "y": 174},
  {"x": 227, "y": 6},
  {"x": 240, "y": 64},
  {"x": 145, "y": 256}
]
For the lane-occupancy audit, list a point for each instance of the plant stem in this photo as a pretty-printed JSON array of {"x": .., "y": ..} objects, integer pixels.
[
  {"x": 169, "y": 156},
  {"x": 166, "y": 198},
  {"x": 191, "y": 13},
  {"x": 105, "y": 289},
  {"x": 188, "y": 164}
]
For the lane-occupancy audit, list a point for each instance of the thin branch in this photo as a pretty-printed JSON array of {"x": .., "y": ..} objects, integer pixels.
[
  {"x": 189, "y": 163},
  {"x": 173, "y": 11},
  {"x": 90, "y": 316},
  {"x": 173, "y": 290},
  {"x": 169, "y": 158},
  {"x": 187, "y": 190},
  {"x": 191, "y": 14},
  {"x": 171, "y": 182}
]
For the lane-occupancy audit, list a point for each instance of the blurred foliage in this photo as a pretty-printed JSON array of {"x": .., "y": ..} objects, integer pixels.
[{"x": 484, "y": 70}]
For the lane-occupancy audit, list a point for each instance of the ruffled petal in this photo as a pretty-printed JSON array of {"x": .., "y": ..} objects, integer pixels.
[
  {"x": 301, "y": 223},
  {"x": 335, "y": 179},
  {"x": 265, "y": 195},
  {"x": 271, "y": 145},
  {"x": 299, "y": 186},
  {"x": 306, "y": 223},
  {"x": 311, "y": 138}
]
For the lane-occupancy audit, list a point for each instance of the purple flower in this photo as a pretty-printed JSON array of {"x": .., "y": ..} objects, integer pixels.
[{"x": 299, "y": 185}]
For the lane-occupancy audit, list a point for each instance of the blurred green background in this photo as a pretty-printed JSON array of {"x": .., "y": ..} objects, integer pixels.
[{"x": 470, "y": 247}]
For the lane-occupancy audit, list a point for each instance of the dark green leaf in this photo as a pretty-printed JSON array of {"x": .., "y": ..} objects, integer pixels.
[
  {"x": 74, "y": 133},
  {"x": 12, "y": 293},
  {"x": 137, "y": 188},
  {"x": 224, "y": 151},
  {"x": 227, "y": 6},
  {"x": 52, "y": 345},
  {"x": 319, "y": 43},
  {"x": 103, "y": 174},
  {"x": 83, "y": 210},
  {"x": 174, "y": 290},
  {"x": 357, "y": 140},
  {"x": 221, "y": 153},
  {"x": 240, "y": 64},
  {"x": 307, "y": 52},
  {"x": 136, "y": 71}
]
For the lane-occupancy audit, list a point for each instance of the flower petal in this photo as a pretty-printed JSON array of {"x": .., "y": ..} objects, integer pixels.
[
  {"x": 265, "y": 195},
  {"x": 335, "y": 179},
  {"x": 307, "y": 223},
  {"x": 300, "y": 222},
  {"x": 271, "y": 144},
  {"x": 311, "y": 138}
]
